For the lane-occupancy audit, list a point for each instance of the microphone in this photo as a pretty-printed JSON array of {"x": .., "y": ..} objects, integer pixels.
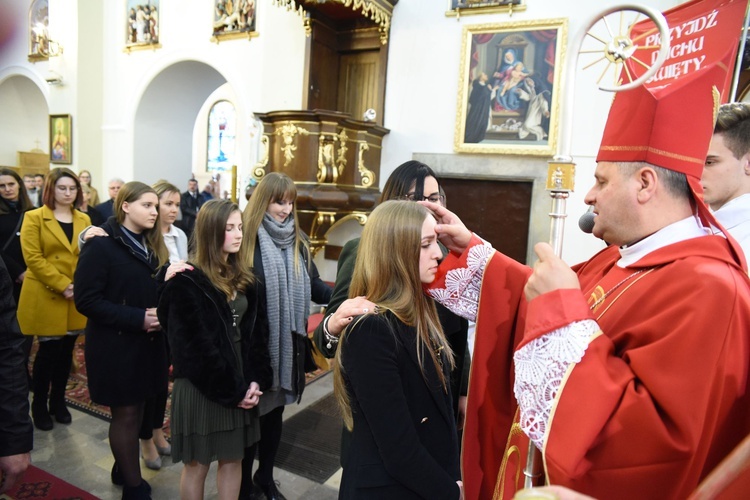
[{"x": 586, "y": 222}]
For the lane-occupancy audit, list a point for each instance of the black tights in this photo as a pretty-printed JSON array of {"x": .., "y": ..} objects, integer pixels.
[
  {"x": 266, "y": 448},
  {"x": 153, "y": 415},
  {"x": 123, "y": 440},
  {"x": 51, "y": 368}
]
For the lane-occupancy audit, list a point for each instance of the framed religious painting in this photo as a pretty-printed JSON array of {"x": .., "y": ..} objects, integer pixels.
[
  {"x": 141, "y": 25},
  {"x": 38, "y": 30},
  {"x": 509, "y": 87},
  {"x": 233, "y": 19},
  {"x": 60, "y": 139},
  {"x": 460, "y": 8}
]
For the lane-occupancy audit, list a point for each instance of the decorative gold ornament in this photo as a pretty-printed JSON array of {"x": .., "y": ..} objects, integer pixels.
[
  {"x": 287, "y": 133},
  {"x": 368, "y": 176},
  {"x": 370, "y": 9},
  {"x": 259, "y": 170}
]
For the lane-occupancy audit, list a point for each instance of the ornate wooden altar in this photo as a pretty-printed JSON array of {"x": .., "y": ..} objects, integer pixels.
[{"x": 334, "y": 161}]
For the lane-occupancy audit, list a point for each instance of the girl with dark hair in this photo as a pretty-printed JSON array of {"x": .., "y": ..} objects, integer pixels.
[
  {"x": 45, "y": 308},
  {"x": 277, "y": 250},
  {"x": 14, "y": 202},
  {"x": 126, "y": 350},
  {"x": 218, "y": 331},
  {"x": 392, "y": 368}
]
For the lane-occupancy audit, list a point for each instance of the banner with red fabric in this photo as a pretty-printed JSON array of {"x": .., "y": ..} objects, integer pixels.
[{"x": 701, "y": 32}]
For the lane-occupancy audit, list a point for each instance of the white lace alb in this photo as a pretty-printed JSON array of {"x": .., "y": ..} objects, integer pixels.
[
  {"x": 462, "y": 285},
  {"x": 540, "y": 367}
]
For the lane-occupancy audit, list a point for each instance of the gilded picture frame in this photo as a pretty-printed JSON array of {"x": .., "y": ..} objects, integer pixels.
[
  {"x": 142, "y": 19},
  {"x": 38, "y": 31},
  {"x": 61, "y": 139},
  {"x": 460, "y": 8},
  {"x": 233, "y": 19},
  {"x": 509, "y": 87}
]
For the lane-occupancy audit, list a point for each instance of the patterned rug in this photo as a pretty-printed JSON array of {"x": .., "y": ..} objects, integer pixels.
[{"x": 38, "y": 484}]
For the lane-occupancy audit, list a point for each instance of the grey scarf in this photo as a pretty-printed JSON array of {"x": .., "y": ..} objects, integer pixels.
[{"x": 287, "y": 295}]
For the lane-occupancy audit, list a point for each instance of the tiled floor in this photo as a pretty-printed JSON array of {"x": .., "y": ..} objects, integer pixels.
[{"x": 79, "y": 453}]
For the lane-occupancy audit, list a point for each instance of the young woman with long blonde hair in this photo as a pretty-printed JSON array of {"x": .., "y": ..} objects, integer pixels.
[
  {"x": 288, "y": 279},
  {"x": 393, "y": 366}
]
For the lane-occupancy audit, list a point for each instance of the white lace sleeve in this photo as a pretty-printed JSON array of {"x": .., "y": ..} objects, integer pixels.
[
  {"x": 540, "y": 367},
  {"x": 462, "y": 286}
]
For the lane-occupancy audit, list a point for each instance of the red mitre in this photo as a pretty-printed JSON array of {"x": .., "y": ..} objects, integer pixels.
[{"x": 669, "y": 126}]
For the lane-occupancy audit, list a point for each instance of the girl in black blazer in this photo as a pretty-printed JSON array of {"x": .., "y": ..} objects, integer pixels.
[
  {"x": 126, "y": 350},
  {"x": 392, "y": 367}
]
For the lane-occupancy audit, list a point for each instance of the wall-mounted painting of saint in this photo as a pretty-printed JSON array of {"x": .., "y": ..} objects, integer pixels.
[
  {"x": 142, "y": 25},
  {"x": 509, "y": 87},
  {"x": 233, "y": 19}
]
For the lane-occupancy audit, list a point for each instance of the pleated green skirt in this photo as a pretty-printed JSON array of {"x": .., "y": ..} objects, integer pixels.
[{"x": 205, "y": 431}]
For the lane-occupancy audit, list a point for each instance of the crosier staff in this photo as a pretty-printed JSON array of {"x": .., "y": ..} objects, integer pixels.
[{"x": 561, "y": 169}]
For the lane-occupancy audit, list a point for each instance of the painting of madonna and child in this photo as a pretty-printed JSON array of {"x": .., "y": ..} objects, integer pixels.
[{"x": 508, "y": 92}]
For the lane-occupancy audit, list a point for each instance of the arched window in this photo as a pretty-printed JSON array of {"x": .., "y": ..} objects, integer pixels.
[{"x": 222, "y": 126}]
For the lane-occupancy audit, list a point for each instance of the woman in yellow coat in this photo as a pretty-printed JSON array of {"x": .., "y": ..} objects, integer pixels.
[{"x": 49, "y": 241}]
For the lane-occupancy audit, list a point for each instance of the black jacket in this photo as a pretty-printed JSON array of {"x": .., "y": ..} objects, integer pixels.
[
  {"x": 114, "y": 285},
  {"x": 198, "y": 322},
  {"x": 10, "y": 238},
  {"x": 404, "y": 443},
  {"x": 16, "y": 431}
]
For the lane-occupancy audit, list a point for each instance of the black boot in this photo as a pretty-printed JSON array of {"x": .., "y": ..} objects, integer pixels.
[
  {"x": 41, "y": 375},
  {"x": 59, "y": 379},
  {"x": 116, "y": 475},
  {"x": 40, "y": 415},
  {"x": 59, "y": 409},
  {"x": 140, "y": 492}
]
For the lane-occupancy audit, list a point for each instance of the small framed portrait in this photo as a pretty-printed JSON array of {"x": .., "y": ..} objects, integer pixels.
[
  {"x": 38, "y": 30},
  {"x": 60, "y": 139},
  {"x": 141, "y": 25},
  {"x": 509, "y": 87},
  {"x": 470, "y": 7},
  {"x": 233, "y": 19}
]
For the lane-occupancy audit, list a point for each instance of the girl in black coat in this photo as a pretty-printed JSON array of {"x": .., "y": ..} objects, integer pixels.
[
  {"x": 393, "y": 366},
  {"x": 126, "y": 355},
  {"x": 219, "y": 339}
]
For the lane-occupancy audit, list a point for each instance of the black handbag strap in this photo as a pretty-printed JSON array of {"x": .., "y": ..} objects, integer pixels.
[{"x": 14, "y": 233}]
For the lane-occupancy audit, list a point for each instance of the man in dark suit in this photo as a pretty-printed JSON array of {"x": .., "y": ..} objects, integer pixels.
[
  {"x": 190, "y": 203},
  {"x": 107, "y": 209}
]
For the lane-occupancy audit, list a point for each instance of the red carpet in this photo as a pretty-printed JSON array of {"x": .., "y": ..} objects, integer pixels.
[{"x": 38, "y": 484}]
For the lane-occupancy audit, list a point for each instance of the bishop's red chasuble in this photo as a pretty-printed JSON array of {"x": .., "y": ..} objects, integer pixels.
[{"x": 657, "y": 399}]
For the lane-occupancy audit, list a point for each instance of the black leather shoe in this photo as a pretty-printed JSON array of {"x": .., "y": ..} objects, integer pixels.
[
  {"x": 41, "y": 417},
  {"x": 269, "y": 492},
  {"x": 140, "y": 492}
]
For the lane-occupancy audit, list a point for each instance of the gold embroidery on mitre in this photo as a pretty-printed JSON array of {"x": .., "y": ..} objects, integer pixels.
[
  {"x": 717, "y": 102},
  {"x": 596, "y": 298},
  {"x": 661, "y": 152}
]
